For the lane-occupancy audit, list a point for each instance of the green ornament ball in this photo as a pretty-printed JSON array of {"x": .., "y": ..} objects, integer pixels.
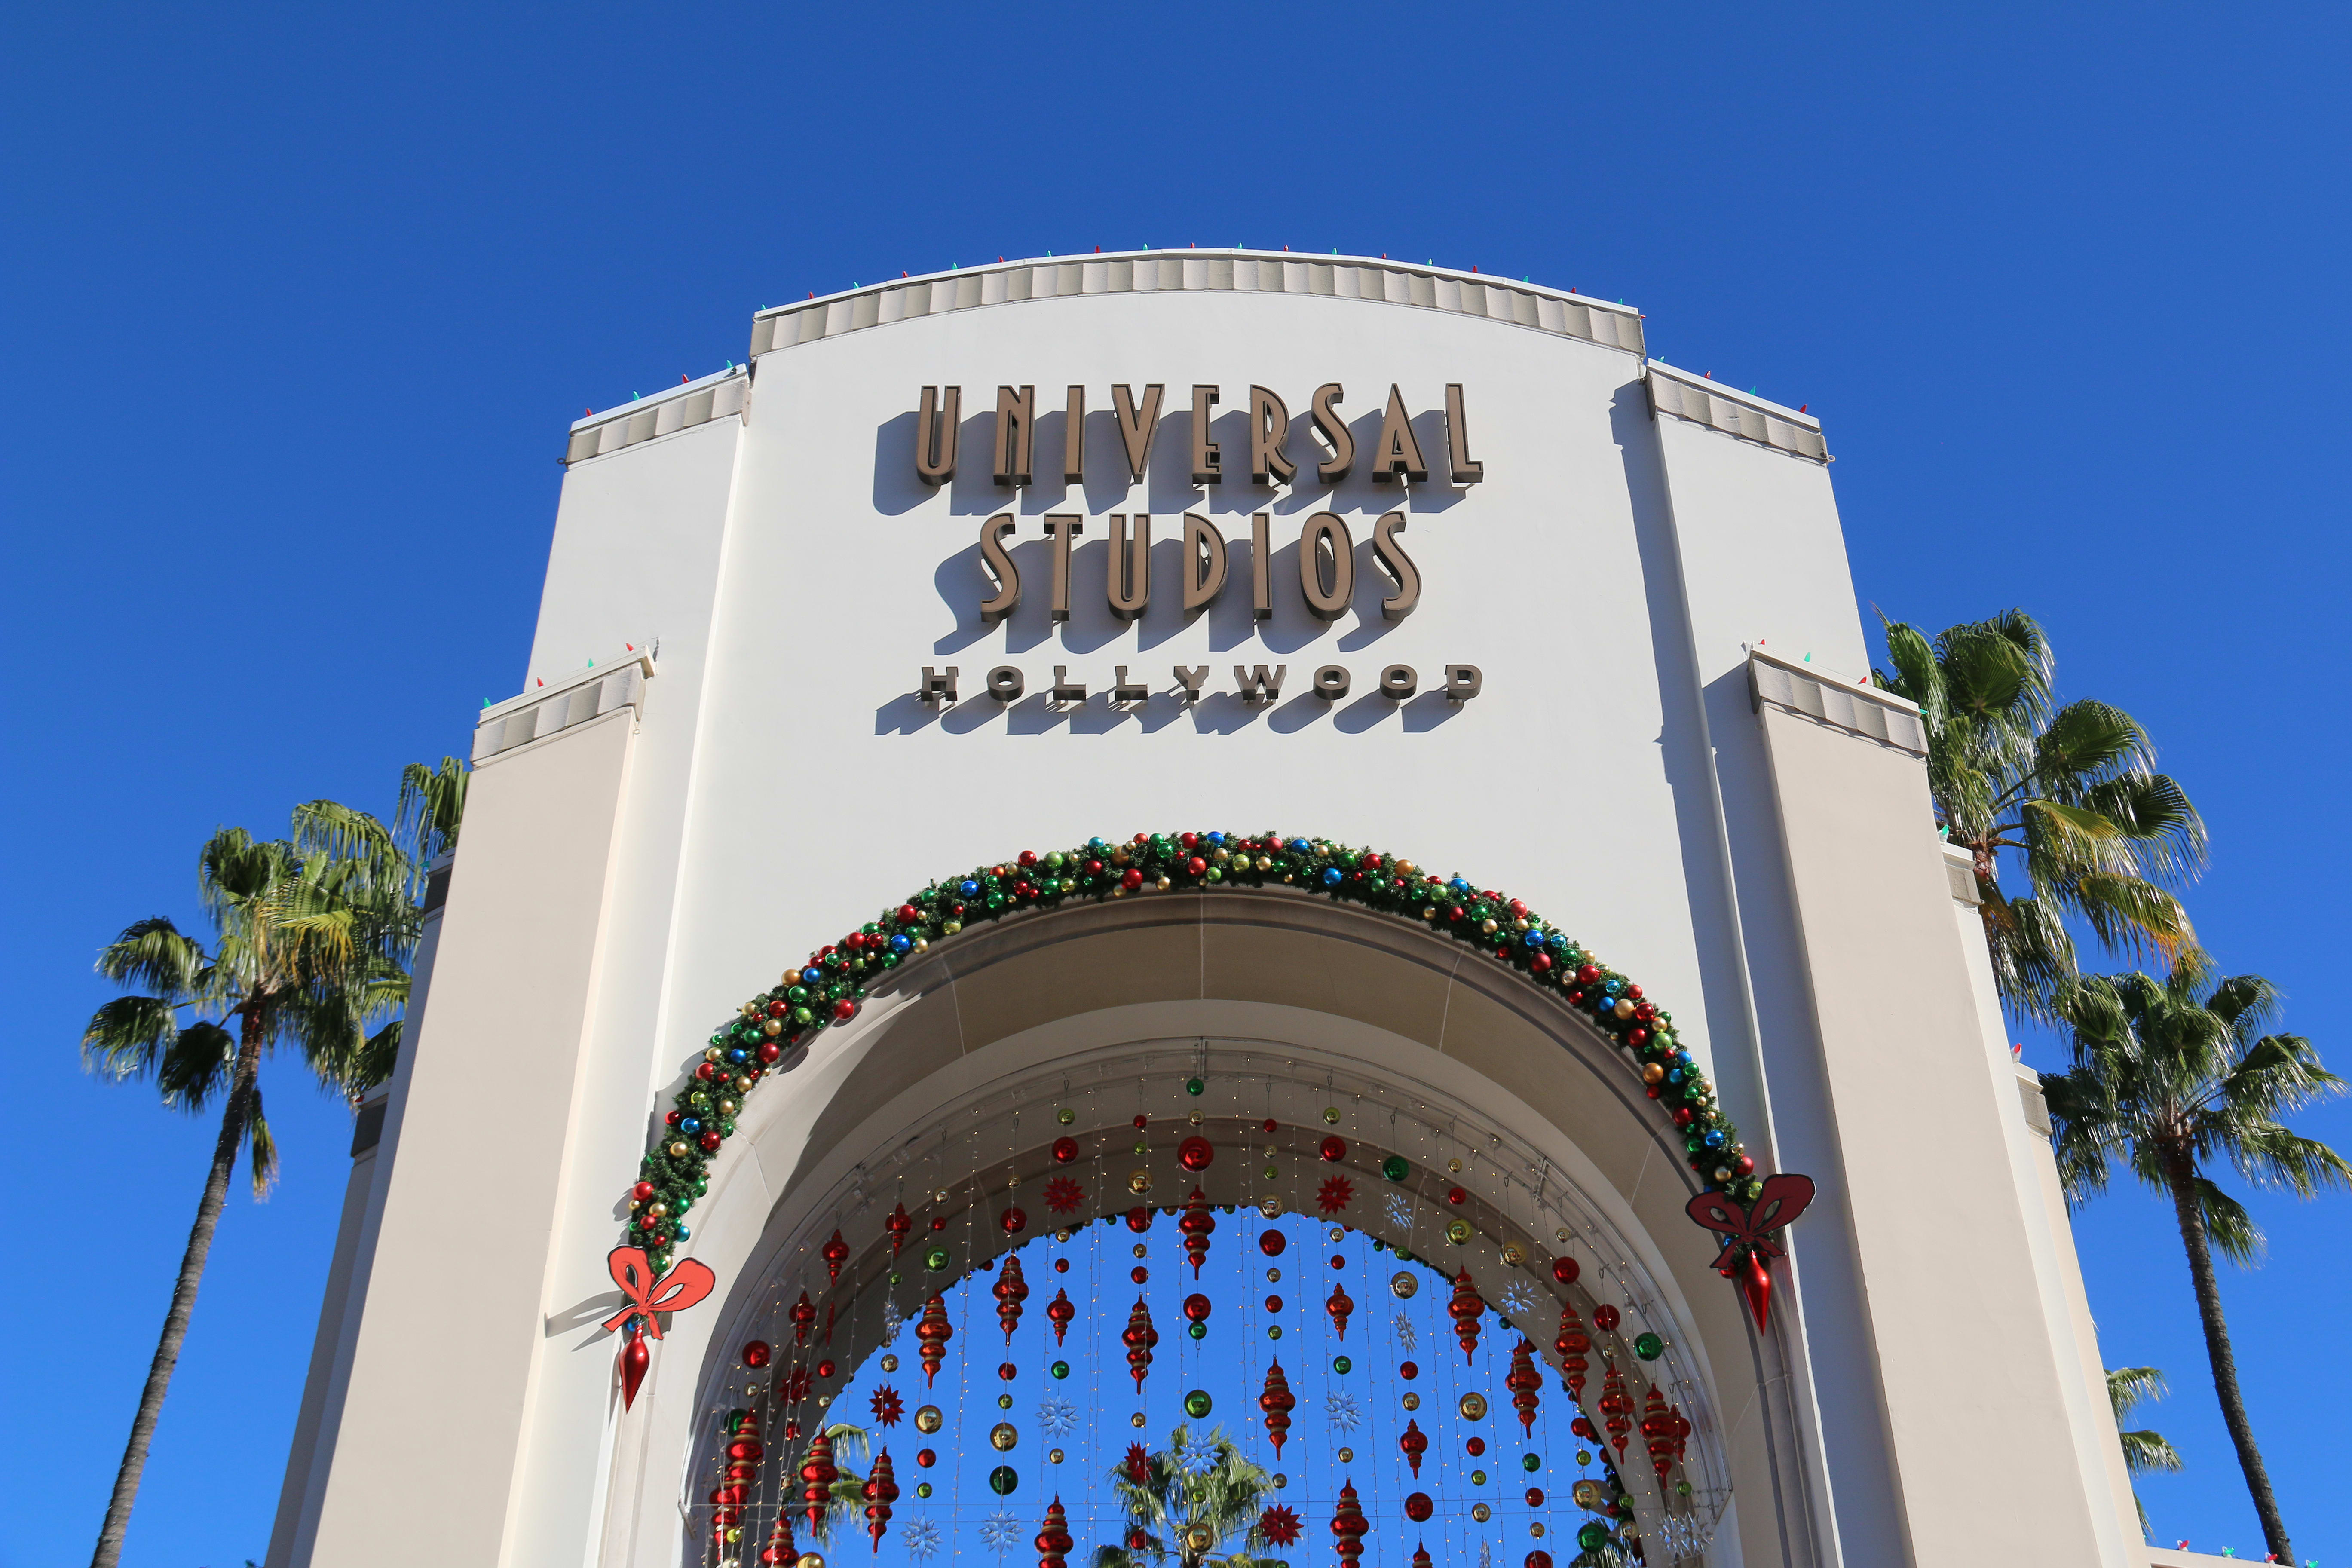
[
  {"x": 1271, "y": 1173},
  {"x": 1197, "y": 1403},
  {"x": 1593, "y": 1536},
  {"x": 1477, "y": 1478},
  {"x": 1003, "y": 1479},
  {"x": 1396, "y": 1168},
  {"x": 1274, "y": 1330},
  {"x": 1198, "y": 1331},
  {"x": 1193, "y": 1086},
  {"x": 1061, "y": 1369},
  {"x": 1004, "y": 1401},
  {"x": 1649, "y": 1347},
  {"x": 936, "y": 1259},
  {"x": 1066, "y": 1116},
  {"x": 1531, "y": 1463},
  {"x": 1342, "y": 1365},
  {"x": 922, "y": 1489}
]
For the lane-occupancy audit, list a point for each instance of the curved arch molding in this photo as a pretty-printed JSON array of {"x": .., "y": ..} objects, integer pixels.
[{"x": 829, "y": 988}]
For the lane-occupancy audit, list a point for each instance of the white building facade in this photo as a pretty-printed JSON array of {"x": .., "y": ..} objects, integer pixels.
[{"x": 1308, "y": 567}]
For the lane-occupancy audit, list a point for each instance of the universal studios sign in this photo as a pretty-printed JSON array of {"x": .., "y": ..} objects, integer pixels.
[{"x": 1325, "y": 578}]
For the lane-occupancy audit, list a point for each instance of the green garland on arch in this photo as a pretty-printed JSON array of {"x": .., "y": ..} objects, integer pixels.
[{"x": 828, "y": 988}]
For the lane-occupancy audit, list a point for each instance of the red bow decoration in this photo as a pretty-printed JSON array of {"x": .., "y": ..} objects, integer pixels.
[
  {"x": 1747, "y": 1234},
  {"x": 681, "y": 1288}
]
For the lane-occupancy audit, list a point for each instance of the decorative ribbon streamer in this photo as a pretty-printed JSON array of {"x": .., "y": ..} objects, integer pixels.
[{"x": 681, "y": 1288}]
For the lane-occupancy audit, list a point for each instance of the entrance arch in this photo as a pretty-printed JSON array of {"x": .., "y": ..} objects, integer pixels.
[{"x": 1285, "y": 1004}]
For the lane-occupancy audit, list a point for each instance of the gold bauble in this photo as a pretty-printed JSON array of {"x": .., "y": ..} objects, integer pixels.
[
  {"x": 808, "y": 1560},
  {"x": 1270, "y": 1207},
  {"x": 1140, "y": 1182},
  {"x": 726, "y": 1107},
  {"x": 1141, "y": 1250},
  {"x": 1406, "y": 868},
  {"x": 1454, "y": 1167},
  {"x": 1199, "y": 1538},
  {"x": 1002, "y": 1436},
  {"x": 1136, "y": 1419},
  {"x": 1336, "y": 1234},
  {"x": 891, "y": 1362},
  {"x": 1056, "y": 1456},
  {"x": 1474, "y": 1407},
  {"x": 1403, "y": 1283},
  {"x": 1586, "y": 1494},
  {"x": 1346, "y": 1456},
  {"x": 1513, "y": 1255},
  {"x": 1163, "y": 885},
  {"x": 1623, "y": 1009},
  {"x": 1480, "y": 1512},
  {"x": 1535, "y": 1528},
  {"x": 1457, "y": 1231},
  {"x": 928, "y": 1420},
  {"x": 1413, "y": 1401},
  {"x": 1560, "y": 1235},
  {"x": 941, "y": 1196},
  {"x": 1652, "y": 1072},
  {"x": 1274, "y": 1276},
  {"x": 657, "y": 1209},
  {"x": 1487, "y": 927}
]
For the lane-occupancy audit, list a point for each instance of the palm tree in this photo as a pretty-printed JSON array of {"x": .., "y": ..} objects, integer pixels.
[
  {"x": 847, "y": 1499},
  {"x": 2072, "y": 792},
  {"x": 1185, "y": 1500},
  {"x": 312, "y": 937},
  {"x": 2143, "y": 1450},
  {"x": 2169, "y": 1076}
]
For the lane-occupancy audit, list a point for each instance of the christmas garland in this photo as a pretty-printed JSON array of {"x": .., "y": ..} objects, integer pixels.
[{"x": 827, "y": 989}]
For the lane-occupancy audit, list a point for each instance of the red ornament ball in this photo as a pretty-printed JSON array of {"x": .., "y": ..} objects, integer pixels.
[
  {"x": 1337, "y": 1261},
  {"x": 844, "y": 1010},
  {"x": 757, "y": 1353},
  {"x": 1014, "y": 1221},
  {"x": 1272, "y": 1125},
  {"x": 1131, "y": 878},
  {"x": 1604, "y": 1317},
  {"x": 1273, "y": 1304},
  {"x": 1535, "y": 1496},
  {"x": 1139, "y": 1274},
  {"x": 1456, "y": 1195},
  {"x": 770, "y": 1050},
  {"x": 1418, "y": 1508},
  {"x": 1475, "y": 1446},
  {"x": 1565, "y": 1270},
  {"x": 1141, "y": 1123},
  {"x": 1334, "y": 1149},
  {"x": 1138, "y": 1220},
  {"x": 1272, "y": 1242},
  {"x": 1064, "y": 1150},
  {"x": 1196, "y": 1307},
  {"x": 1060, "y": 1266},
  {"x": 1195, "y": 1153},
  {"x": 710, "y": 1141},
  {"x": 1409, "y": 1370},
  {"x": 1007, "y": 1372},
  {"x": 1538, "y": 1558},
  {"x": 927, "y": 1458},
  {"x": 824, "y": 1367},
  {"x": 642, "y": 1191}
]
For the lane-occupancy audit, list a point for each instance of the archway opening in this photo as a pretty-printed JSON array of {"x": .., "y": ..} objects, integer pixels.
[{"x": 1435, "y": 1284}]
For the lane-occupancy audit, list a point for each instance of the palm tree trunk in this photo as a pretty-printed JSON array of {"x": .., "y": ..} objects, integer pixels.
[
  {"x": 2225, "y": 1363},
  {"x": 184, "y": 1293}
]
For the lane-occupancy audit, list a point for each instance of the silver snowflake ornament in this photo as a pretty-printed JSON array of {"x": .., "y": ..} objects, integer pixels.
[
  {"x": 1057, "y": 1416},
  {"x": 1343, "y": 1411},
  {"x": 1406, "y": 1335},
  {"x": 1516, "y": 1299},
  {"x": 1195, "y": 1459},
  {"x": 1400, "y": 1211},
  {"x": 891, "y": 1319},
  {"x": 922, "y": 1539},
  {"x": 999, "y": 1529}
]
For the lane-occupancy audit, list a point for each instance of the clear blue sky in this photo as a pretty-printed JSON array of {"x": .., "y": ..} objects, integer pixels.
[{"x": 297, "y": 302}]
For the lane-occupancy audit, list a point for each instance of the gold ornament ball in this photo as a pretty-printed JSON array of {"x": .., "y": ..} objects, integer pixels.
[
  {"x": 928, "y": 1420},
  {"x": 1056, "y": 1456},
  {"x": 1403, "y": 1283},
  {"x": 809, "y": 1559},
  {"x": 1196, "y": 1118},
  {"x": 1274, "y": 1276},
  {"x": 1480, "y": 1512},
  {"x": 1140, "y": 1182},
  {"x": 1586, "y": 1494},
  {"x": 1280, "y": 1480},
  {"x": 1535, "y": 1528},
  {"x": 1141, "y": 1250},
  {"x": 1271, "y": 1208},
  {"x": 1412, "y": 1402},
  {"x": 1454, "y": 1167},
  {"x": 941, "y": 1196},
  {"x": 1346, "y": 1455},
  {"x": 1062, "y": 1236},
  {"x": 1458, "y": 1231},
  {"x": 824, "y": 1401},
  {"x": 1002, "y": 1438},
  {"x": 1336, "y": 1234},
  {"x": 1332, "y": 1115},
  {"x": 1163, "y": 885},
  {"x": 1136, "y": 1419},
  {"x": 889, "y": 1363},
  {"x": 1199, "y": 1537},
  {"x": 1560, "y": 1235},
  {"x": 1513, "y": 1255},
  {"x": 1474, "y": 1407}
]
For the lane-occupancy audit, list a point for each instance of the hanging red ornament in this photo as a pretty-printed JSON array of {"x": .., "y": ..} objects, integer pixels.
[
  {"x": 1339, "y": 1306},
  {"x": 1335, "y": 1194},
  {"x": 1196, "y": 1224},
  {"x": 1196, "y": 1307},
  {"x": 1279, "y": 1525},
  {"x": 1464, "y": 1310},
  {"x": 1195, "y": 1154},
  {"x": 817, "y": 1475},
  {"x": 1058, "y": 1312},
  {"x": 1053, "y": 1541},
  {"x": 1333, "y": 1148},
  {"x": 1605, "y": 1317},
  {"x": 1418, "y": 1507},
  {"x": 1014, "y": 1221},
  {"x": 1572, "y": 1343},
  {"x": 1062, "y": 1194},
  {"x": 1658, "y": 1433},
  {"x": 1415, "y": 1443},
  {"x": 635, "y": 1358},
  {"x": 1277, "y": 1402},
  {"x": 881, "y": 1491},
  {"x": 825, "y": 1367},
  {"x": 1617, "y": 1407},
  {"x": 1755, "y": 1285},
  {"x": 1421, "y": 1556},
  {"x": 888, "y": 1405},
  {"x": 803, "y": 1316},
  {"x": 1139, "y": 1219},
  {"x": 898, "y": 1225},
  {"x": 1140, "y": 1337},
  {"x": 1524, "y": 1382},
  {"x": 836, "y": 1253},
  {"x": 1064, "y": 1150},
  {"x": 1271, "y": 1243},
  {"x": 757, "y": 1353},
  {"x": 934, "y": 1331},
  {"x": 780, "y": 1550},
  {"x": 1349, "y": 1527},
  {"x": 1565, "y": 1270},
  {"x": 1010, "y": 1290},
  {"x": 830, "y": 1306},
  {"x": 796, "y": 1385}
]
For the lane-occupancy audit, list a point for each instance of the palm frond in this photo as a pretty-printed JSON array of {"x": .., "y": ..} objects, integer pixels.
[
  {"x": 129, "y": 1037},
  {"x": 153, "y": 955},
  {"x": 198, "y": 1065},
  {"x": 262, "y": 1147},
  {"x": 431, "y": 807}
]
